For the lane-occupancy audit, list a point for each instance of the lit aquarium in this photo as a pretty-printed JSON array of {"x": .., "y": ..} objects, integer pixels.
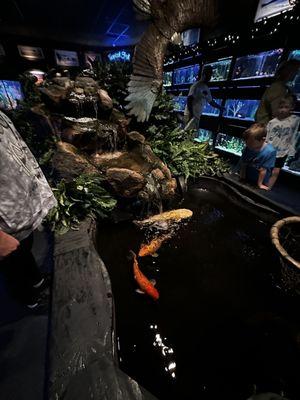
[
  {"x": 293, "y": 163},
  {"x": 230, "y": 144},
  {"x": 261, "y": 65},
  {"x": 204, "y": 135},
  {"x": 295, "y": 84},
  {"x": 186, "y": 75},
  {"x": 10, "y": 94},
  {"x": 221, "y": 69},
  {"x": 179, "y": 103},
  {"x": 210, "y": 110},
  {"x": 241, "y": 109},
  {"x": 167, "y": 78}
]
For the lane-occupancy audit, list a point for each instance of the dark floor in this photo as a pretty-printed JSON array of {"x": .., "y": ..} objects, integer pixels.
[{"x": 23, "y": 338}]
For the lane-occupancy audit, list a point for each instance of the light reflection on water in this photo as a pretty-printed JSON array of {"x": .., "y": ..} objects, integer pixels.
[{"x": 166, "y": 351}]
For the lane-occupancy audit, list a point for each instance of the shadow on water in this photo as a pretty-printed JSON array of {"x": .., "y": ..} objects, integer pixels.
[{"x": 220, "y": 325}]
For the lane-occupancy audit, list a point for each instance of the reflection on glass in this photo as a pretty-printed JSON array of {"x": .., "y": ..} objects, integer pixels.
[
  {"x": 241, "y": 109},
  {"x": 204, "y": 135},
  {"x": 167, "y": 78},
  {"x": 259, "y": 65},
  {"x": 230, "y": 144},
  {"x": 10, "y": 94},
  {"x": 210, "y": 110},
  {"x": 295, "y": 84},
  {"x": 221, "y": 69},
  {"x": 293, "y": 163},
  {"x": 186, "y": 75},
  {"x": 179, "y": 103}
]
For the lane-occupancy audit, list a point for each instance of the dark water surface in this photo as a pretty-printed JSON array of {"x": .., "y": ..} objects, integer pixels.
[{"x": 221, "y": 324}]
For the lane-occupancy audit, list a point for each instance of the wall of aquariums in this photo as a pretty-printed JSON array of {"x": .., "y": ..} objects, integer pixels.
[
  {"x": 230, "y": 144},
  {"x": 220, "y": 69},
  {"x": 186, "y": 75},
  {"x": 241, "y": 109}
]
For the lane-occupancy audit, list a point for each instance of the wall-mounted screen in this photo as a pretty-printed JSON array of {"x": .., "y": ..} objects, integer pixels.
[
  {"x": 220, "y": 69},
  {"x": 179, "y": 103},
  {"x": 65, "y": 58},
  {"x": 190, "y": 37},
  {"x": 204, "y": 135},
  {"x": 241, "y": 109},
  {"x": 167, "y": 78},
  {"x": 10, "y": 94},
  {"x": 90, "y": 57},
  {"x": 270, "y": 8},
  {"x": 261, "y": 65},
  {"x": 186, "y": 75},
  {"x": 210, "y": 110},
  {"x": 295, "y": 84},
  {"x": 230, "y": 144},
  {"x": 31, "y": 53}
]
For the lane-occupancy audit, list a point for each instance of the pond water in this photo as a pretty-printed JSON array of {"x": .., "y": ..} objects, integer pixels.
[{"x": 221, "y": 324}]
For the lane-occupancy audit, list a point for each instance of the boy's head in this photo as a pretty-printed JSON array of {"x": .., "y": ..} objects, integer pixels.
[
  {"x": 255, "y": 136},
  {"x": 285, "y": 107},
  {"x": 207, "y": 74}
]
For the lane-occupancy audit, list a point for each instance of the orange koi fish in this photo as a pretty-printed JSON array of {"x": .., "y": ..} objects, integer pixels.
[
  {"x": 143, "y": 282},
  {"x": 151, "y": 248}
]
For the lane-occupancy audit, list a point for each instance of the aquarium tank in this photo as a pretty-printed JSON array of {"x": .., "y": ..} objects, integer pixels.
[
  {"x": 295, "y": 84},
  {"x": 204, "y": 135},
  {"x": 167, "y": 78},
  {"x": 292, "y": 164},
  {"x": 261, "y": 65},
  {"x": 179, "y": 103},
  {"x": 186, "y": 75},
  {"x": 221, "y": 69},
  {"x": 230, "y": 144},
  {"x": 210, "y": 110},
  {"x": 241, "y": 109},
  {"x": 10, "y": 94}
]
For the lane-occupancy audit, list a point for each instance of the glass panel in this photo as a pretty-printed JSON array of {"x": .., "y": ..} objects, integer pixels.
[
  {"x": 220, "y": 69},
  {"x": 241, "y": 109},
  {"x": 167, "y": 78},
  {"x": 210, "y": 110},
  {"x": 293, "y": 164},
  {"x": 230, "y": 144},
  {"x": 13, "y": 93},
  {"x": 259, "y": 65},
  {"x": 186, "y": 75},
  {"x": 179, "y": 103},
  {"x": 204, "y": 135},
  {"x": 295, "y": 84}
]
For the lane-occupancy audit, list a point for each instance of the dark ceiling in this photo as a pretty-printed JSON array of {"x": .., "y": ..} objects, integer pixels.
[{"x": 97, "y": 22}]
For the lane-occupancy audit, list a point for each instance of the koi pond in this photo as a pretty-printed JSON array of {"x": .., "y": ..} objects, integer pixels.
[{"x": 222, "y": 323}]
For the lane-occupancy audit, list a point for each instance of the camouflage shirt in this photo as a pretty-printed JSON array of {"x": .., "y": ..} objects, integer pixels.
[{"x": 25, "y": 196}]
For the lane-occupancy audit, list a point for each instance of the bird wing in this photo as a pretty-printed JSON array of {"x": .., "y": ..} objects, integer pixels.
[{"x": 146, "y": 79}]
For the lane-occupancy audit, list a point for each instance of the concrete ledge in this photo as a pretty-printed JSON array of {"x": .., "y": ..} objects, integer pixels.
[{"x": 82, "y": 357}]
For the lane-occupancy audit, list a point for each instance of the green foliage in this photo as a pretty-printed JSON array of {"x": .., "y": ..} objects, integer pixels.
[
  {"x": 76, "y": 200},
  {"x": 31, "y": 92},
  {"x": 177, "y": 147}
]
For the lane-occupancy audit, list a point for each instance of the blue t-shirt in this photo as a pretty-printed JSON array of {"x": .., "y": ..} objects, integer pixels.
[{"x": 264, "y": 158}]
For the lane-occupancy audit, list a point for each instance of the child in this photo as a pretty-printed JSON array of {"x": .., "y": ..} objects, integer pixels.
[
  {"x": 258, "y": 158},
  {"x": 282, "y": 134}
]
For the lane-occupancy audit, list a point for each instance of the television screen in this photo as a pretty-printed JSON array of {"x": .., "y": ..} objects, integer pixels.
[
  {"x": 186, "y": 75},
  {"x": 221, "y": 69},
  {"x": 210, "y": 110},
  {"x": 179, "y": 103},
  {"x": 230, "y": 144},
  {"x": 167, "y": 78},
  {"x": 203, "y": 135},
  {"x": 66, "y": 58},
  {"x": 40, "y": 75},
  {"x": 295, "y": 84},
  {"x": 241, "y": 109},
  {"x": 190, "y": 37},
  {"x": 270, "y": 8},
  {"x": 10, "y": 94},
  {"x": 261, "y": 65}
]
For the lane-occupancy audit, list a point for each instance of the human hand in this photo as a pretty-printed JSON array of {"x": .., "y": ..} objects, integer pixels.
[
  {"x": 8, "y": 244},
  {"x": 264, "y": 187}
]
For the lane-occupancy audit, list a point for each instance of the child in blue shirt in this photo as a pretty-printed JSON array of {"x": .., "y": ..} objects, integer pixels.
[{"x": 258, "y": 157}]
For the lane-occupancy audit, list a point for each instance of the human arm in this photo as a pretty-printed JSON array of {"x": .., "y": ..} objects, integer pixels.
[
  {"x": 214, "y": 104},
  {"x": 8, "y": 244}
]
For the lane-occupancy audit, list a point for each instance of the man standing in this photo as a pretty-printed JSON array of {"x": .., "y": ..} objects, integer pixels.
[
  {"x": 198, "y": 95},
  {"x": 25, "y": 199}
]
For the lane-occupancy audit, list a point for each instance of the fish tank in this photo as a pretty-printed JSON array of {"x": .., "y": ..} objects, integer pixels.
[
  {"x": 210, "y": 110},
  {"x": 261, "y": 65},
  {"x": 187, "y": 75},
  {"x": 292, "y": 164},
  {"x": 10, "y": 94},
  {"x": 230, "y": 144},
  {"x": 179, "y": 103},
  {"x": 204, "y": 135},
  {"x": 167, "y": 78},
  {"x": 221, "y": 69},
  {"x": 295, "y": 84},
  {"x": 241, "y": 109}
]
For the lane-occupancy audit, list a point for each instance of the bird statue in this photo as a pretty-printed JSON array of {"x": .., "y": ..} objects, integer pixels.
[{"x": 168, "y": 17}]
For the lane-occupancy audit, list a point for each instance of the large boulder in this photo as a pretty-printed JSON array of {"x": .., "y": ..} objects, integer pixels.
[
  {"x": 125, "y": 182},
  {"x": 68, "y": 162}
]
